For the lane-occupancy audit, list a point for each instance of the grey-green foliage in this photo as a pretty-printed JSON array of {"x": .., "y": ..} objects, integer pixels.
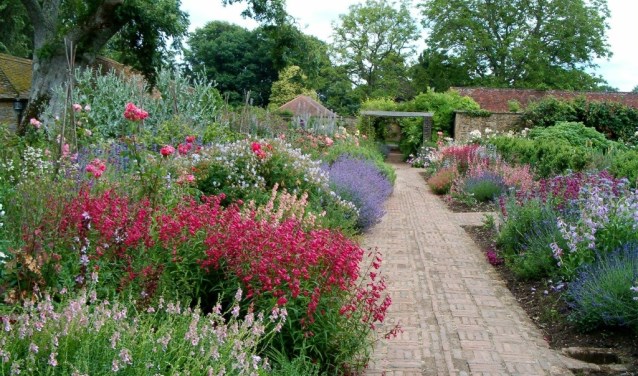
[{"x": 193, "y": 104}]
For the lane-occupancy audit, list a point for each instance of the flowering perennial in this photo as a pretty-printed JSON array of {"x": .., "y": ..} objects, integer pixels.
[{"x": 133, "y": 113}]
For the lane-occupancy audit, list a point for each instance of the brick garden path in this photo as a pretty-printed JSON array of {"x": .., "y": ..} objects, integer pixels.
[{"x": 457, "y": 315}]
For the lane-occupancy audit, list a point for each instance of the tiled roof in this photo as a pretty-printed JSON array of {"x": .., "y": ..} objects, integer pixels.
[
  {"x": 304, "y": 105},
  {"x": 15, "y": 77},
  {"x": 495, "y": 100}
]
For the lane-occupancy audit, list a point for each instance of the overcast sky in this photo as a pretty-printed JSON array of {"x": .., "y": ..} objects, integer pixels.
[{"x": 315, "y": 17}]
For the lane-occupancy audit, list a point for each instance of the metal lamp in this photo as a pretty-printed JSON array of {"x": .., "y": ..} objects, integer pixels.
[{"x": 18, "y": 107}]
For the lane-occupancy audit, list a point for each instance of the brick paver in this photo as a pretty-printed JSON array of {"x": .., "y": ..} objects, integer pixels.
[{"x": 458, "y": 317}]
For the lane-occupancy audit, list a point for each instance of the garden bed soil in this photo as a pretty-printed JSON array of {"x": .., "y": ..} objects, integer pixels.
[
  {"x": 548, "y": 310},
  {"x": 461, "y": 207}
]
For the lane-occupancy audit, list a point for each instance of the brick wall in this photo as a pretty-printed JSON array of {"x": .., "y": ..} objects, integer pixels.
[
  {"x": 495, "y": 100},
  {"x": 500, "y": 122},
  {"x": 6, "y": 113}
]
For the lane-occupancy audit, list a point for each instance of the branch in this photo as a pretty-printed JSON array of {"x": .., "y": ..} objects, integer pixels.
[
  {"x": 98, "y": 28},
  {"x": 36, "y": 16}
]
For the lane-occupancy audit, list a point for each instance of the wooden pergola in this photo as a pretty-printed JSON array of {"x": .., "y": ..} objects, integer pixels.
[{"x": 427, "y": 119}]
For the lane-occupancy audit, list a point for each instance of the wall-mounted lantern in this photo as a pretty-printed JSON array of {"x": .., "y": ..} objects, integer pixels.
[{"x": 18, "y": 107}]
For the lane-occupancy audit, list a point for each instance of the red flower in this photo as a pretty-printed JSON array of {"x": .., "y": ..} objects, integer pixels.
[
  {"x": 133, "y": 113},
  {"x": 167, "y": 150},
  {"x": 256, "y": 146},
  {"x": 183, "y": 149},
  {"x": 281, "y": 301},
  {"x": 190, "y": 139}
]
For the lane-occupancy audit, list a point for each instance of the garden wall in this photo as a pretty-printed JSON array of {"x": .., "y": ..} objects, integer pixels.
[{"x": 465, "y": 123}]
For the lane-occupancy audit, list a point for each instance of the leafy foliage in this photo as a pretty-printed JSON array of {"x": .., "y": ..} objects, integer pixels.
[
  {"x": 292, "y": 82},
  {"x": 547, "y": 156},
  {"x": 372, "y": 42},
  {"x": 520, "y": 43},
  {"x": 16, "y": 32},
  {"x": 573, "y": 133},
  {"x": 615, "y": 120}
]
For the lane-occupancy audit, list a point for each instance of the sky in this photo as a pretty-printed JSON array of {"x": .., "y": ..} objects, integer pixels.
[{"x": 315, "y": 17}]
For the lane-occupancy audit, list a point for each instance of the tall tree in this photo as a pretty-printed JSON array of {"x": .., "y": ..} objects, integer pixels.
[
  {"x": 520, "y": 43},
  {"x": 437, "y": 71},
  {"x": 144, "y": 28},
  {"x": 240, "y": 60},
  {"x": 233, "y": 57},
  {"x": 372, "y": 38}
]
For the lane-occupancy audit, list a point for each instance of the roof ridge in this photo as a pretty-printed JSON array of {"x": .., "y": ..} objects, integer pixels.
[{"x": 15, "y": 58}]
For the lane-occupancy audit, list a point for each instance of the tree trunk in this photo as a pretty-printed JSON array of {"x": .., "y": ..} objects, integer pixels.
[{"x": 48, "y": 74}]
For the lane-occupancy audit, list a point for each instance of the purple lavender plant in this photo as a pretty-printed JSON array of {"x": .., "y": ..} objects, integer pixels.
[
  {"x": 602, "y": 294},
  {"x": 360, "y": 182},
  {"x": 485, "y": 187}
]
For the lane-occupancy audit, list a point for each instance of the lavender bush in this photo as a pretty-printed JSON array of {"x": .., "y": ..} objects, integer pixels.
[
  {"x": 360, "y": 182},
  {"x": 603, "y": 294},
  {"x": 484, "y": 187}
]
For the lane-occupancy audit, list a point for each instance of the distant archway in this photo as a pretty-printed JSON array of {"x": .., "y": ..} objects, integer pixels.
[{"x": 427, "y": 119}]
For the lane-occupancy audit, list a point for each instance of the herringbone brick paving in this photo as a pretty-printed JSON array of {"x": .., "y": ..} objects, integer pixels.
[{"x": 458, "y": 317}]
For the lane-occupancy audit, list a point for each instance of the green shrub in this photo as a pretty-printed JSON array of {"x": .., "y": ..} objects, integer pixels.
[
  {"x": 625, "y": 164},
  {"x": 615, "y": 120},
  {"x": 573, "y": 133},
  {"x": 443, "y": 105},
  {"x": 549, "y": 157},
  {"x": 548, "y": 111}
]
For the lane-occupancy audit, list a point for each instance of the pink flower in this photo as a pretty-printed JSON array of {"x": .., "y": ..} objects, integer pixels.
[
  {"x": 167, "y": 150},
  {"x": 190, "y": 139},
  {"x": 65, "y": 150},
  {"x": 190, "y": 178},
  {"x": 96, "y": 168},
  {"x": 255, "y": 146},
  {"x": 87, "y": 108},
  {"x": 77, "y": 107},
  {"x": 133, "y": 113},
  {"x": 35, "y": 123},
  {"x": 183, "y": 149},
  {"x": 329, "y": 141}
]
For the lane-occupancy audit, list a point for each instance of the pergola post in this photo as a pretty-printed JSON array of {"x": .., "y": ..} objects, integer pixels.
[{"x": 427, "y": 128}]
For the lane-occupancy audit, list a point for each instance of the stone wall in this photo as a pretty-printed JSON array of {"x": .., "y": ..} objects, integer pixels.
[
  {"x": 498, "y": 122},
  {"x": 7, "y": 115}
]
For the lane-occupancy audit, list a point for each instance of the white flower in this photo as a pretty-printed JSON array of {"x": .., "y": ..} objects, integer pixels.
[{"x": 475, "y": 134}]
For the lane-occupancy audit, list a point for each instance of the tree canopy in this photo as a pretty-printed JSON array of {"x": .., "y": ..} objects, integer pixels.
[
  {"x": 372, "y": 43},
  {"x": 16, "y": 32},
  {"x": 520, "y": 43},
  {"x": 236, "y": 59}
]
